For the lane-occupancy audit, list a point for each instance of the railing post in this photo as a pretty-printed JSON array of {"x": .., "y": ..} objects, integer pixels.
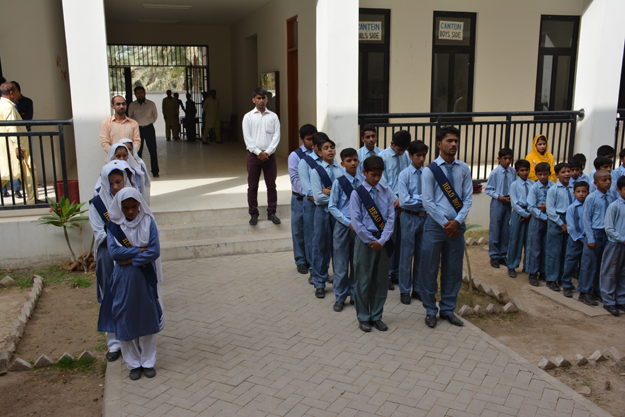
[
  {"x": 573, "y": 131},
  {"x": 63, "y": 164},
  {"x": 508, "y": 125}
]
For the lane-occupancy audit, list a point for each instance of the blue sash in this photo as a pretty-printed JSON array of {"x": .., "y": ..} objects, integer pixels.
[
  {"x": 377, "y": 218},
  {"x": 346, "y": 186},
  {"x": 325, "y": 178},
  {"x": 311, "y": 162},
  {"x": 101, "y": 209},
  {"x": 299, "y": 152},
  {"x": 445, "y": 186}
]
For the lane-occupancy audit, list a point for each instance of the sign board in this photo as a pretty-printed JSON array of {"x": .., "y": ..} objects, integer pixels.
[
  {"x": 452, "y": 31},
  {"x": 370, "y": 31}
]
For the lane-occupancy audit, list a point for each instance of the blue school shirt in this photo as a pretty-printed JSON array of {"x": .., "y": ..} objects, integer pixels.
[
  {"x": 574, "y": 220},
  {"x": 293, "y": 166},
  {"x": 499, "y": 182},
  {"x": 594, "y": 212},
  {"x": 410, "y": 184},
  {"x": 303, "y": 169},
  {"x": 393, "y": 165},
  {"x": 436, "y": 203},
  {"x": 339, "y": 202},
  {"x": 559, "y": 198},
  {"x": 538, "y": 196},
  {"x": 615, "y": 221},
  {"x": 334, "y": 171},
  {"x": 617, "y": 173},
  {"x": 364, "y": 153},
  {"x": 519, "y": 191},
  {"x": 361, "y": 220}
]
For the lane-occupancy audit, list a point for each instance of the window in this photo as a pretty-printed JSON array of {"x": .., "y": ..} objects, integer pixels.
[{"x": 373, "y": 60}]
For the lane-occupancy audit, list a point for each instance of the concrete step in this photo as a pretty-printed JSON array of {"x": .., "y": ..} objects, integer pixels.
[
  {"x": 190, "y": 231},
  {"x": 192, "y": 216}
]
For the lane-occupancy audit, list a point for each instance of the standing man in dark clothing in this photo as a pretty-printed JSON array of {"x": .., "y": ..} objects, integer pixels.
[
  {"x": 144, "y": 112},
  {"x": 24, "y": 104},
  {"x": 189, "y": 118}
]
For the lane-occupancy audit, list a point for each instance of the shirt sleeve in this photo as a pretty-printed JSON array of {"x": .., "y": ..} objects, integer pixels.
[
  {"x": 589, "y": 208},
  {"x": 467, "y": 192},
  {"x": 491, "y": 185},
  {"x": 136, "y": 138},
  {"x": 514, "y": 200},
  {"x": 552, "y": 196},
  {"x": 97, "y": 225},
  {"x": 247, "y": 135},
  {"x": 389, "y": 223},
  {"x": 333, "y": 204},
  {"x": 427, "y": 188},
  {"x": 357, "y": 219},
  {"x": 153, "y": 113},
  {"x": 304, "y": 177},
  {"x": 292, "y": 164},
  {"x": 315, "y": 181},
  {"x": 570, "y": 220},
  {"x": 610, "y": 222},
  {"x": 105, "y": 138},
  {"x": 275, "y": 138},
  {"x": 153, "y": 250},
  {"x": 403, "y": 186}
]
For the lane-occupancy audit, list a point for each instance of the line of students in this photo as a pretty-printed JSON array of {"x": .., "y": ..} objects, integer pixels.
[
  {"x": 568, "y": 226},
  {"x": 128, "y": 263},
  {"x": 350, "y": 215}
]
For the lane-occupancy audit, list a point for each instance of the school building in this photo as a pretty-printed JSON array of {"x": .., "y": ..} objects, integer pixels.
[{"x": 324, "y": 61}]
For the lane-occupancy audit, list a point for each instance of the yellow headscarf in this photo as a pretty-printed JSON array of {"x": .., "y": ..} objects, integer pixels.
[{"x": 535, "y": 158}]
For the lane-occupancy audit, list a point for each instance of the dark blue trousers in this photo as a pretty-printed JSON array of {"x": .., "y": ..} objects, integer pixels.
[
  {"x": 498, "y": 229},
  {"x": 613, "y": 274},
  {"x": 324, "y": 227},
  {"x": 297, "y": 230},
  {"x": 537, "y": 231},
  {"x": 410, "y": 253},
  {"x": 555, "y": 251},
  {"x": 574, "y": 251},
  {"x": 308, "y": 208},
  {"x": 393, "y": 268},
  {"x": 343, "y": 262},
  {"x": 591, "y": 262},
  {"x": 518, "y": 241}
]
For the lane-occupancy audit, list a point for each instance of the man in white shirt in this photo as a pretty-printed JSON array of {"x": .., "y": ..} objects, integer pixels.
[
  {"x": 261, "y": 130},
  {"x": 144, "y": 112}
]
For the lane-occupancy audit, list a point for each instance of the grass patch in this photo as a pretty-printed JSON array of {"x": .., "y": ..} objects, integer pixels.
[
  {"x": 83, "y": 365},
  {"x": 103, "y": 365},
  {"x": 476, "y": 233},
  {"x": 80, "y": 282},
  {"x": 102, "y": 347},
  {"x": 50, "y": 274}
]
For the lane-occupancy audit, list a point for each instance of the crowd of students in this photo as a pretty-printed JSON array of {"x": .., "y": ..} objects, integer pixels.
[{"x": 564, "y": 225}]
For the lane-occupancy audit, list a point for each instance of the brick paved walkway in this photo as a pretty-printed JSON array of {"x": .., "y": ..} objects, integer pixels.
[{"x": 245, "y": 336}]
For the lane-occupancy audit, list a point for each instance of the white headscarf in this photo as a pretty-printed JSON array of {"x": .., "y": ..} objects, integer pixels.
[
  {"x": 138, "y": 159},
  {"x": 142, "y": 178},
  {"x": 105, "y": 184},
  {"x": 129, "y": 180},
  {"x": 137, "y": 230}
]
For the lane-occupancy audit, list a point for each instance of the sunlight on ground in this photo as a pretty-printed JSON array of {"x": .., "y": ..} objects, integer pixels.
[{"x": 166, "y": 186}]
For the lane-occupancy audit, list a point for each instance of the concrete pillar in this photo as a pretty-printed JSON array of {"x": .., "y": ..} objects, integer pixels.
[
  {"x": 599, "y": 61},
  {"x": 85, "y": 35},
  {"x": 337, "y": 71}
]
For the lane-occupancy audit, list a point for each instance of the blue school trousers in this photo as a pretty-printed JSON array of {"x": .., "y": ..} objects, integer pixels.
[
  {"x": 297, "y": 229},
  {"x": 613, "y": 274},
  {"x": 591, "y": 263},
  {"x": 498, "y": 229},
  {"x": 448, "y": 253},
  {"x": 574, "y": 251},
  {"x": 370, "y": 281},
  {"x": 555, "y": 250},
  {"x": 324, "y": 225},
  {"x": 518, "y": 241},
  {"x": 393, "y": 269},
  {"x": 343, "y": 262},
  {"x": 537, "y": 230},
  {"x": 308, "y": 209},
  {"x": 410, "y": 252}
]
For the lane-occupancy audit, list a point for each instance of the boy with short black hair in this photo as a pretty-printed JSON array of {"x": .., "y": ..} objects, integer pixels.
[
  {"x": 575, "y": 241},
  {"x": 520, "y": 217},
  {"x": 576, "y": 171},
  {"x": 498, "y": 189},
  {"x": 537, "y": 229},
  {"x": 559, "y": 198},
  {"x": 369, "y": 138},
  {"x": 582, "y": 159},
  {"x": 601, "y": 163},
  {"x": 618, "y": 173},
  {"x": 413, "y": 213},
  {"x": 613, "y": 266},
  {"x": 371, "y": 209}
]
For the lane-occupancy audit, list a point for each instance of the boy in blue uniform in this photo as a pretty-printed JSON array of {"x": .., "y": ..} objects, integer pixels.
[
  {"x": 576, "y": 171},
  {"x": 372, "y": 213},
  {"x": 582, "y": 160},
  {"x": 601, "y": 163},
  {"x": 395, "y": 161},
  {"x": 298, "y": 231},
  {"x": 537, "y": 229},
  {"x": 321, "y": 179},
  {"x": 559, "y": 198},
  {"x": 412, "y": 223},
  {"x": 343, "y": 234},
  {"x": 444, "y": 227},
  {"x": 575, "y": 242},
  {"x": 498, "y": 189},
  {"x": 620, "y": 171},
  {"x": 520, "y": 217},
  {"x": 595, "y": 208},
  {"x": 613, "y": 267},
  {"x": 369, "y": 138}
]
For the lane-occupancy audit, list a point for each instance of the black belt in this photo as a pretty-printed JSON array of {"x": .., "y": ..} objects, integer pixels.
[
  {"x": 376, "y": 234},
  {"x": 560, "y": 214},
  {"x": 298, "y": 195},
  {"x": 148, "y": 125},
  {"x": 415, "y": 213}
]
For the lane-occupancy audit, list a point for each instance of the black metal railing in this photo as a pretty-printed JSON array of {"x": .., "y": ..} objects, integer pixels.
[
  {"x": 483, "y": 134},
  {"x": 33, "y": 160},
  {"x": 619, "y": 135}
]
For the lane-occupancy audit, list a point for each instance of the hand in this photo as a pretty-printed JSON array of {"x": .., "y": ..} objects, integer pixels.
[
  {"x": 126, "y": 262},
  {"x": 505, "y": 200},
  {"x": 396, "y": 204},
  {"x": 351, "y": 227},
  {"x": 592, "y": 246},
  {"x": 143, "y": 249},
  {"x": 542, "y": 207},
  {"x": 375, "y": 245},
  {"x": 564, "y": 229},
  {"x": 326, "y": 191},
  {"x": 311, "y": 198},
  {"x": 263, "y": 156},
  {"x": 19, "y": 153},
  {"x": 524, "y": 219}
]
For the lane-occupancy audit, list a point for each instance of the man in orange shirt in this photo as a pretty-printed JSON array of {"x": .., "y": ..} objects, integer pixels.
[{"x": 118, "y": 127}]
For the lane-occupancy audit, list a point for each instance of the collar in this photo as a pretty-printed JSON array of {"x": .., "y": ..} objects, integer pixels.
[
  {"x": 440, "y": 161},
  {"x": 267, "y": 111},
  {"x": 559, "y": 184},
  {"x": 600, "y": 194},
  {"x": 413, "y": 169},
  {"x": 621, "y": 200},
  {"x": 126, "y": 119},
  {"x": 325, "y": 164},
  {"x": 314, "y": 156},
  {"x": 577, "y": 203},
  {"x": 527, "y": 181},
  {"x": 368, "y": 186},
  {"x": 349, "y": 177},
  {"x": 307, "y": 151},
  {"x": 541, "y": 185}
]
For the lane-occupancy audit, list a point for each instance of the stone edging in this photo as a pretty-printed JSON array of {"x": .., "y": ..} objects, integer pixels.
[{"x": 112, "y": 401}]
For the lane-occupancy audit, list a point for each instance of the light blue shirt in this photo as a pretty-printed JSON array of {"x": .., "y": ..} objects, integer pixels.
[
  {"x": 339, "y": 202},
  {"x": 293, "y": 166},
  {"x": 582, "y": 177},
  {"x": 617, "y": 173},
  {"x": 334, "y": 171},
  {"x": 575, "y": 214},
  {"x": 361, "y": 220},
  {"x": 410, "y": 185},
  {"x": 559, "y": 198},
  {"x": 393, "y": 165},
  {"x": 436, "y": 203},
  {"x": 538, "y": 196},
  {"x": 594, "y": 212},
  {"x": 495, "y": 184},
  {"x": 615, "y": 221},
  {"x": 519, "y": 191},
  {"x": 303, "y": 170},
  {"x": 364, "y": 153}
]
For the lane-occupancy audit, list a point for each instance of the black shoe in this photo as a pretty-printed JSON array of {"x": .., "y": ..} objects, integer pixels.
[
  {"x": 302, "y": 269},
  {"x": 430, "y": 321},
  {"x": 379, "y": 325},
  {"x": 329, "y": 280},
  {"x": 320, "y": 292},
  {"x": 597, "y": 296},
  {"x": 404, "y": 298},
  {"x": 18, "y": 194},
  {"x": 155, "y": 176},
  {"x": 452, "y": 319},
  {"x": 494, "y": 263},
  {"x": 391, "y": 286},
  {"x": 503, "y": 261},
  {"x": 416, "y": 295},
  {"x": 394, "y": 280},
  {"x": 149, "y": 372},
  {"x": 364, "y": 326},
  {"x": 533, "y": 280},
  {"x": 135, "y": 374},
  {"x": 351, "y": 301},
  {"x": 6, "y": 194},
  {"x": 512, "y": 273},
  {"x": 274, "y": 219},
  {"x": 310, "y": 280},
  {"x": 621, "y": 307},
  {"x": 568, "y": 292},
  {"x": 553, "y": 286},
  {"x": 253, "y": 219},
  {"x": 612, "y": 310},
  {"x": 338, "y": 306},
  {"x": 205, "y": 143},
  {"x": 113, "y": 356},
  {"x": 542, "y": 277},
  {"x": 587, "y": 299}
]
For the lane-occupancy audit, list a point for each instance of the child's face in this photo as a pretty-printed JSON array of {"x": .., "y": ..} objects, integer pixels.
[
  {"x": 129, "y": 146},
  {"x": 576, "y": 172},
  {"x": 307, "y": 140},
  {"x": 327, "y": 152},
  {"x": 130, "y": 208},
  {"x": 621, "y": 191},
  {"x": 117, "y": 182},
  {"x": 505, "y": 161},
  {"x": 398, "y": 150},
  {"x": 370, "y": 139},
  {"x": 350, "y": 164},
  {"x": 523, "y": 173},
  {"x": 121, "y": 154},
  {"x": 581, "y": 193},
  {"x": 611, "y": 156},
  {"x": 418, "y": 158},
  {"x": 541, "y": 146},
  {"x": 372, "y": 177},
  {"x": 564, "y": 176},
  {"x": 606, "y": 168},
  {"x": 604, "y": 183},
  {"x": 543, "y": 177}
]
